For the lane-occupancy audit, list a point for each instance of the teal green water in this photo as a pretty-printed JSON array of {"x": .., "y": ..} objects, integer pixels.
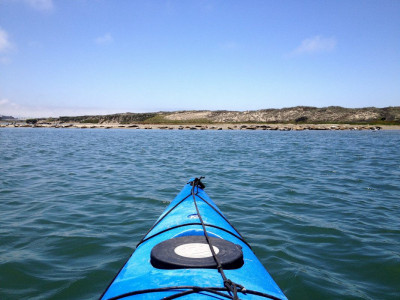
[{"x": 321, "y": 209}]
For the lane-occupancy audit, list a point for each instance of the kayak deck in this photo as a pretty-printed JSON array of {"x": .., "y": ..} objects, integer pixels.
[{"x": 139, "y": 279}]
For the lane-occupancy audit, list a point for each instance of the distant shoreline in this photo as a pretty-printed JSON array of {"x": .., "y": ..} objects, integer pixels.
[
  {"x": 293, "y": 118},
  {"x": 298, "y": 117},
  {"x": 224, "y": 126}
]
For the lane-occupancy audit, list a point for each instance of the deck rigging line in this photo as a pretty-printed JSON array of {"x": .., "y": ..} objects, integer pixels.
[{"x": 232, "y": 287}]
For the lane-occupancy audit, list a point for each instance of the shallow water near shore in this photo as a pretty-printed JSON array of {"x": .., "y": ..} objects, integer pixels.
[{"x": 320, "y": 209}]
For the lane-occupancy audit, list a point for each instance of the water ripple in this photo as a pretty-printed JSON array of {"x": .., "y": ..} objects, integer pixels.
[{"x": 321, "y": 209}]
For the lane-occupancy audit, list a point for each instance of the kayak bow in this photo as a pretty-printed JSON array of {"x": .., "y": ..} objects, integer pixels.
[{"x": 193, "y": 252}]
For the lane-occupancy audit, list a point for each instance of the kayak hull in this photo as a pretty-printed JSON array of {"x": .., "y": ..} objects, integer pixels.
[{"x": 178, "y": 220}]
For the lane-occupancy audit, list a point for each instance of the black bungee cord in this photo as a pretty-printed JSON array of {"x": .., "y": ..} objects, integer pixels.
[
  {"x": 189, "y": 290},
  {"x": 232, "y": 287}
]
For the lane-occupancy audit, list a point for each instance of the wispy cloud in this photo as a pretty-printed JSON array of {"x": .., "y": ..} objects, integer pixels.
[
  {"x": 41, "y": 5},
  {"x": 316, "y": 44},
  {"x": 5, "y": 43},
  {"x": 5, "y": 47},
  {"x": 6, "y": 107},
  {"x": 11, "y": 108},
  {"x": 4, "y": 102},
  {"x": 104, "y": 39}
]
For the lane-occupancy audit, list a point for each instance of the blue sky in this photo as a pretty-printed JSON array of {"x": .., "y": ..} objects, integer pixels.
[{"x": 96, "y": 56}]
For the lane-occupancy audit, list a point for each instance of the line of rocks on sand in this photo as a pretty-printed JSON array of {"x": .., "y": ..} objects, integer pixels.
[{"x": 280, "y": 127}]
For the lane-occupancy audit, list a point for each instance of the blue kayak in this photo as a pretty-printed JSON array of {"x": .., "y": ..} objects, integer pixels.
[{"x": 193, "y": 252}]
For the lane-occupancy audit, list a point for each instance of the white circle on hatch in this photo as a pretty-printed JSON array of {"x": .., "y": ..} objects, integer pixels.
[{"x": 195, "y": 250}]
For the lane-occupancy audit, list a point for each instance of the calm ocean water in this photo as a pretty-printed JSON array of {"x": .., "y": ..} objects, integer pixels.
[{"x": 321, "y": 209}]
